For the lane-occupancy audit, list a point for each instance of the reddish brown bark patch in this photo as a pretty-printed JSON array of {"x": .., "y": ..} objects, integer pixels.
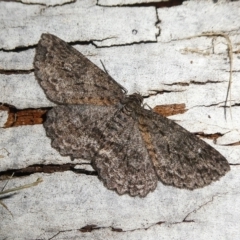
[
  {"x": 170, "y": 109},
  {"x": 23, "y": 117}
]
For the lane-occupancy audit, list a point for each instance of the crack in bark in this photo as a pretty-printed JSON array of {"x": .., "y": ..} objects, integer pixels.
[
  {"x": 40, "y": 4},
  {"x": 213, "y": 136},
  {"x": 234, "y": 105},
  {"x": 193, "y": 82},
  {"x": 156, "y": 92},
  {"x": 93, "y": 227},
  {"x": 157, "y": 24},
  {"x": 14, "y": 71},
  {"x": 59, "y": 232},
  {"x": 60, "y": 5},
  {"x": 125, "y": 44},
  {"x": 94, "y": 42},
  {"x": 231, "y": 144},
  {"x": 84, "y": 42},
  {"x": 19, "y": 48},
  {"x": 87, "y": 228},
  {"x": 50, "y": 168},
  {"x": 201, "y": 206},
  {"x": 210, "y": 105},
  {"x": 170, "y": 3}
]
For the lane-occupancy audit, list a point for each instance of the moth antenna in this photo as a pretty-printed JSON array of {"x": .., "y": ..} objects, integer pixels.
[{"x": 105, "y": 70}]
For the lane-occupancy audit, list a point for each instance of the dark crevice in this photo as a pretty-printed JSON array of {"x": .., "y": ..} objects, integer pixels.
[
  {"x": 63, "y": 4},
  {"x": 183, "y": 221},
  {"x": 24, "y": 48},
  {"x": 86, "y": 42},
  {"x": 117, "y": 229},
  {"x": 193, "y": 82},
  {"x": 13, "y": 71},
  {"x": 124, "y": 44},
  {"x": 177, "y": 84},
  {"x": 157, "y": 24},
  {"x": 89, "y": 228},
  {"x": 210, "y": 105},
  {"x": 93, "y": 227},
  {"x": 40, "y": 168},
  {"x": 19, "y": 48},
  {"x": 86, "y": 229},
  {"x": 156, "y": 92},
  {"x": 171, "y": 3},
  {"x": 6, "y": 106},
  {"x": 204, "y": 83},
  {"x": 231, "y": 144},
  {"x": 93, "y": 42},
  {"x": 40, "y": 4},
  {"x": 19, "y": 1},
  {"x": 233, "y": 105},
  {"x": 8, "y": 196},
  {"x": 188, "y": 221},
  {"x": 78, "y": 42},
  {"x": 213, "y": 136}
]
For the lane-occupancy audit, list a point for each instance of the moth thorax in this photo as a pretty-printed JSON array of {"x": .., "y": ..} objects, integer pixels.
[{"x": 133, "y": 102}]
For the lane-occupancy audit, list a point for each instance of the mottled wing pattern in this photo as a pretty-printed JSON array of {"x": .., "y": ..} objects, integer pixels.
[
  {"x": 122, "y": 161},
  {"x": 179, "y": 157},
  {"x": 68, "y": 77},
  {"x": 71, "y": 128},
  {"x": 110, "y": 138}
]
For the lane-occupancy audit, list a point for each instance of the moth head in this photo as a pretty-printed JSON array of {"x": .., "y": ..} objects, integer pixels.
[
  {"x": 135, "y": 98},
  {"x": 132, "y": 103}
]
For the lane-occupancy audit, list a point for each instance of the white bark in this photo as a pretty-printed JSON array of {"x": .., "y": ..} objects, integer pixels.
[{"x": 169, "y": 57}]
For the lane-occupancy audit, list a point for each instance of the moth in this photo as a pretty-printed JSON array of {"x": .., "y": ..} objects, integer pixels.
[{"x": 130, "y": 147}]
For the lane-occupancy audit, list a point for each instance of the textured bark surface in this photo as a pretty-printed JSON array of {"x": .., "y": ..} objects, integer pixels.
[{"x": 158, "y": 52}]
